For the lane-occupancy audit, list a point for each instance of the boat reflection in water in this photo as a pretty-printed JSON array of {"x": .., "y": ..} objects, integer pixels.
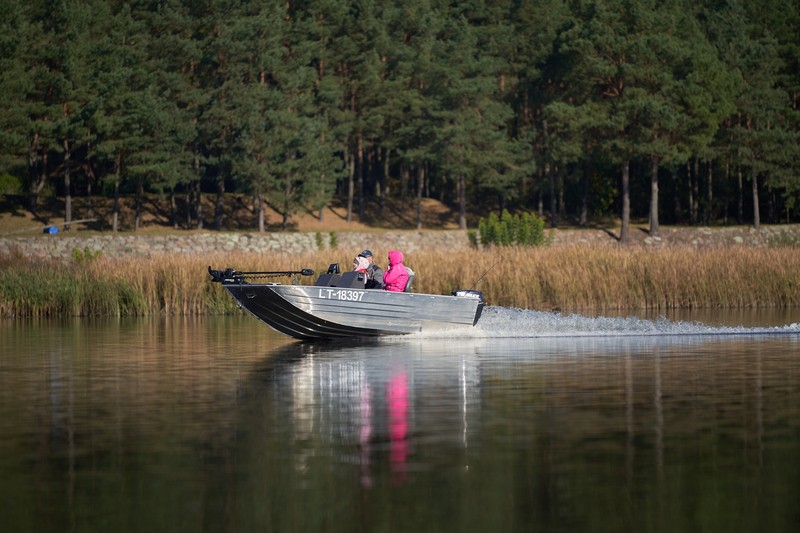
[
  {"x": 401, "y": 408},
  {"x": 374, "y": 402}
]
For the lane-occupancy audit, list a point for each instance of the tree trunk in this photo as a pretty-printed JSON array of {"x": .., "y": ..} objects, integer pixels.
[
  {"x": 360, "y": 174},
  {"x": 626, "y": 202},
  {"x": 260, "y": 210},
  {"x": 138, "y": 210},
  {"x": 740, "y": 191},
  {"x": 677, "y": 212},
  {"x": 351, "y": 170},
  {"x": 219, "y": 208},
  {"x": 654, "y": 226},
  {"x": 67, "y": 187},
  {"x": 587, "y": 171},
  {"x": 540, "y": 205},
  {"x": 562, "y": 205},
  {"x": 383, "y": 181},
  {"x": 117, "y": 172},
  {"x": 771, "y": 217},
  {"x": 462, "y": 201},
  {"x": 756, "y": 214},
  {"x": 551, "y": 176},
  {"x": 420, "y": 181},
  {"x": 689, "y": 190},
  {"x": 37, "y": 171},
  {"x": 710, "y": 194},
  {"x": 198, "y": 196},
  {"x": 403, "y": 185},
  {"x": 189, "y": 206},
  {"x": 199, "y": 205},
  {"x": 287, "y": 194},
  {"x": 695, "y": 191},
  {"x": 726, "y": 202},
  {"x": 173, "y": 208}
]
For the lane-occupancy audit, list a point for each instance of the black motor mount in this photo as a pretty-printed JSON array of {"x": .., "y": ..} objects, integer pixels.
[{"x": 230, "y": 275}]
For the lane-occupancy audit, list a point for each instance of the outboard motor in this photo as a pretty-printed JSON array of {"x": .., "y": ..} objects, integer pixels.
[
  {"x": 471, "y": 293},
  {"x": 468, "y": 293}
]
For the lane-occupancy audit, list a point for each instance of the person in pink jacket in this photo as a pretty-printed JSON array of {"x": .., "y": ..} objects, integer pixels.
[{"x": 396, "y": 277}]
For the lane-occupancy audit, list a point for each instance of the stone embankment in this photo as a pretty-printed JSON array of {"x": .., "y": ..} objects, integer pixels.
[
  {"x": 61, "y": 246},
  {"x": 698, "y": 237}
]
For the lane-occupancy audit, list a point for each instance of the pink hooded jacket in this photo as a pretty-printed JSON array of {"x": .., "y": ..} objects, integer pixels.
[{"x": 396, "y": 277}]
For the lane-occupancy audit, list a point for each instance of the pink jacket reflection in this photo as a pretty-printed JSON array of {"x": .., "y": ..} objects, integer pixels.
[
  {"x": 396, "y": 277},
  {"x": 397, "y": 395}
]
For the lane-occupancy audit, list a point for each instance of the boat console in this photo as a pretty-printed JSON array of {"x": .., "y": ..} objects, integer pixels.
[{"x": 348, "y": 280}]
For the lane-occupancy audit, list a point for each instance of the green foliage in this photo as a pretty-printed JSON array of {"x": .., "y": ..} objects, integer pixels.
[
  {"x": 10, "y": 184},
  {"x": 333, "y": 240},
  {"x": 472, "y": 235},
  {"x": 526, "y": 229},
  {"x": 319, "y": 240},
  {"x": 84, "y": 256}
]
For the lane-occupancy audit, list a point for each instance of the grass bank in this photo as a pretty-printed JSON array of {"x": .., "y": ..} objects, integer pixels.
[{"x": 568, "y": 277}]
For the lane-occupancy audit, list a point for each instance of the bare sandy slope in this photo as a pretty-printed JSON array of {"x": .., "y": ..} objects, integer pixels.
[{"x": 96, "y": 213}]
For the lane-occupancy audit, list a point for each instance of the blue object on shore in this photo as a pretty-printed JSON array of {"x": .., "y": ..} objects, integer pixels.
[{"x": 52, "y": 230}]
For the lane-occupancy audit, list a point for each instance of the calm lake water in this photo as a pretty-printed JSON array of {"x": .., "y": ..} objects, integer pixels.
[{"x": 531, "y": 422}]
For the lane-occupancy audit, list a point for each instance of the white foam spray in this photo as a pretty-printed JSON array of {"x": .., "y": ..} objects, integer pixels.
[{"x": 506, "y": 322}]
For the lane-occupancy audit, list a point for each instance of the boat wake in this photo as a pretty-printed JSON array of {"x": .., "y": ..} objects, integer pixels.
[{"x": 506, "y": 322}]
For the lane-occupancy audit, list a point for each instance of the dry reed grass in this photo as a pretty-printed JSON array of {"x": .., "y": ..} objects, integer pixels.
[{"x": 567, "y": 277}]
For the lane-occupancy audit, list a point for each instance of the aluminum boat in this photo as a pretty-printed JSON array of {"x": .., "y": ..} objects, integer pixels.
[{"x": 338, "y": 305}]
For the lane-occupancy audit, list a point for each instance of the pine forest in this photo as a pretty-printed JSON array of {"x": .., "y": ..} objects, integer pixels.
[{"x": 665, "y": 111}]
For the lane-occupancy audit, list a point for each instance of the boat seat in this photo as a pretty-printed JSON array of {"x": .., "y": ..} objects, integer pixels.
[
  {"x": 410, "y": 282},
  {"x": 352, "y": 280},
  {"x": 328, "y": 280}
]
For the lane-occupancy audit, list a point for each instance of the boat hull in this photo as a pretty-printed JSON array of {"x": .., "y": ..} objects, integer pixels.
[{"x": 318, "y": 312}]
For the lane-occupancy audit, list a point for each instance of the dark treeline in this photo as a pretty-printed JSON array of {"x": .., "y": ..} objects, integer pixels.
[{"x": 673, "y": 110}]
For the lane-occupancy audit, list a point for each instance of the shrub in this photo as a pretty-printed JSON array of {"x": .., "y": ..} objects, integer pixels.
[
  {"x": 85, "y": 255},
  {"x": 473, "y": 238},
  {"x": 512, "y": 230},
  {"x": 10, "y": 184}
]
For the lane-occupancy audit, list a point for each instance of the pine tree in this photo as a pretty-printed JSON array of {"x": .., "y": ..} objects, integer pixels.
[
  {"x": 761, "y": 130},
  {"x": 17, "y": 83},
  {"x": 472, "y": 141},
  {"x": 174, "y": 57},
  {"x": 543, "y": 73},
  {"x": 679, "y": 91},
  {"x": 73, "y": 23},
  {"x": 119, "y": 61},
  {"x": 42, "y": 92}
]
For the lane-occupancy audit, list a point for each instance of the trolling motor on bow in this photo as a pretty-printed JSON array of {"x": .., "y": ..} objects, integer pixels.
[{"x": 230, "y": 275}]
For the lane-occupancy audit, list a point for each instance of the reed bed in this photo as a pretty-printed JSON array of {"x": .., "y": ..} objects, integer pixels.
[{"x": 566, "y": 277}]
